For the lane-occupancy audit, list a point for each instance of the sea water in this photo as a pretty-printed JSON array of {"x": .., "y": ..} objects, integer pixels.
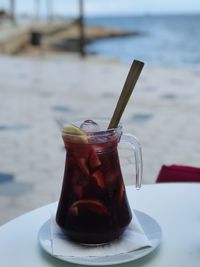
[{"x": 170, "y": 40}]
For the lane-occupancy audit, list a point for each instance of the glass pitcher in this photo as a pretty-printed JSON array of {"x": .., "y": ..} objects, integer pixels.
[{"x": 93, "y": 206}]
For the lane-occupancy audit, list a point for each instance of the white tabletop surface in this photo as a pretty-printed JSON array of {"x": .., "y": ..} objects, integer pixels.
[{"x": 174, "y": 206}]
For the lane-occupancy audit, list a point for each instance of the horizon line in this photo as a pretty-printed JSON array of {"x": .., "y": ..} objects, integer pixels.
[{"x": 146, "y": 14}]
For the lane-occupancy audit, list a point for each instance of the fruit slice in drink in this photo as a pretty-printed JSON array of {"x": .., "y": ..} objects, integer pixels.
[
  {"x": 91, "y": 205},
  {"x": 94, "y": 161},
  {"x": 75, "y": 134},
  {"x": 97, "y": 175}
]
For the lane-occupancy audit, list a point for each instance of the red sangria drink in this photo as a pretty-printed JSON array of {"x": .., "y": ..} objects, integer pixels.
[{"x": 93, "y": 206}]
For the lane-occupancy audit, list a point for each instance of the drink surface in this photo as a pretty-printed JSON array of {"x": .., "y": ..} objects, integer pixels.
[{"x": 93, "y": 206}]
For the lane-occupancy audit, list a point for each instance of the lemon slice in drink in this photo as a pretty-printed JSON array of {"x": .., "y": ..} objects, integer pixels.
[{"x": 74, "y": 133}]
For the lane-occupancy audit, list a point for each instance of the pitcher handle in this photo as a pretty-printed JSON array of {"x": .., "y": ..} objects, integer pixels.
[{"x": 135, "y": 144}]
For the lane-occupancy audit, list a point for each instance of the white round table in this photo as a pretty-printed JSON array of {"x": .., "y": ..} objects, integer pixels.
[{"x": 174, "y": 206}]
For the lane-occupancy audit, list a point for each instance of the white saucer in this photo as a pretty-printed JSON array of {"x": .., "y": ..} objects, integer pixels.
[{"x": 150, "y": 226}]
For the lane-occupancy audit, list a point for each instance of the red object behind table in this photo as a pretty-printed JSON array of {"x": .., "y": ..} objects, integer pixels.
[{"x": 178, "y": 173}]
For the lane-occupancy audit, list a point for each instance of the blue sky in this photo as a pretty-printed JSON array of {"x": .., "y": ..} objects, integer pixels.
[{"x": 105, "y": 7}]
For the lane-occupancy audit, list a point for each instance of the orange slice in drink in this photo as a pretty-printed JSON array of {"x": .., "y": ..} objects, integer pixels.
[
  {"x": 82, "y": 164},
  {"x": 94, "y": 161},
  {"x": 97, "y": 175},
  {"x": 92, "y": 205}
]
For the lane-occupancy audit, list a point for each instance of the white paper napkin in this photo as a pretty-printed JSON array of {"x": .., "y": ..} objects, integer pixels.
[{"x": 132, "y": 239}]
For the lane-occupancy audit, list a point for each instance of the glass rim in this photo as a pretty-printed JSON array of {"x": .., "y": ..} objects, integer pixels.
[{"x": 101, "y": 132}]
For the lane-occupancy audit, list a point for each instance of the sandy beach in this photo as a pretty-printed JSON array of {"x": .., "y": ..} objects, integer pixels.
[{"x": 36, "y": 91}]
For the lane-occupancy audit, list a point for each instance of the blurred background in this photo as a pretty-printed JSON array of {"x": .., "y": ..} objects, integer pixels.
[
  {"x": 150, "y": 28},
  {"x": 58, "y": 58}
]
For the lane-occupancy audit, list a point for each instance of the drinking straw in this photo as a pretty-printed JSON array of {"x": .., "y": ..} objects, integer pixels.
[{"x": 127, "y": 90}]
